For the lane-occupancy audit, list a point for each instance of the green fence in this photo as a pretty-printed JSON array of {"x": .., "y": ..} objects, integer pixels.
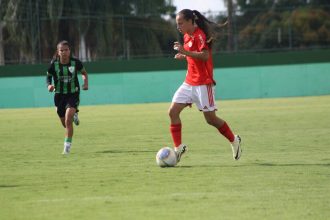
[{"x": 224, "y": 60}]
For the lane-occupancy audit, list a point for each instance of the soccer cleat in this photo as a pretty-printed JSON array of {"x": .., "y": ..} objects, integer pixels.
[
  {"x": 236, "y": 147},
  {"x": 67, "y": 148},
  {"x": 179, "y": 151},
  {"x": 76, "y": 119}
]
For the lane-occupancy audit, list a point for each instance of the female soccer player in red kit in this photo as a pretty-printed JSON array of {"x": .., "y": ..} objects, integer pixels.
[{"x": 198, "y": 86}]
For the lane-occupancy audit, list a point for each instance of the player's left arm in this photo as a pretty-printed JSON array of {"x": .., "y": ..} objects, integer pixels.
[
  {"x": 84, "y": 75},
  {"x": 202, "y": 55},
  {"x": 85, "y": 79},
  {"x": 49, "y": 77}
]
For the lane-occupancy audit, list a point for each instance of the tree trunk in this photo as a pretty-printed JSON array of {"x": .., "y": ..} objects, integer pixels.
[
  {"x": 2, "y": 52},
  {"x": 230, "y": 44}
]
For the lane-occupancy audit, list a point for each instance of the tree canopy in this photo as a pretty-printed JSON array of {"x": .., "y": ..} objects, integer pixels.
[
  {"x": 98, "y": 28},
  {"x": 111, "y": 29},
  {"x": 283, "y": 24}
]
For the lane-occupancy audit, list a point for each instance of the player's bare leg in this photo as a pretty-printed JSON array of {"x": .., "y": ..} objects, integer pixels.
[
  {"x": 68, "y": 129},
  {"x": 62, "y": 119},
  {"x": 174, "y": 112},
  {"x": 212, "y": 119},
  {"x": 235, "y": 140}
]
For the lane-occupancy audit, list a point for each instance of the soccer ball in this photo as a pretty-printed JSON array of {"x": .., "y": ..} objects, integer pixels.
[{"x": 166, "y": 157}]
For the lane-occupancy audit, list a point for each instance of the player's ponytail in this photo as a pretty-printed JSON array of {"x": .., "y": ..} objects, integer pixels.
[
  {"x": 207, "y": 26},
  {"x": 204, "y": 24},
  {"x": 55, "y": 55}
]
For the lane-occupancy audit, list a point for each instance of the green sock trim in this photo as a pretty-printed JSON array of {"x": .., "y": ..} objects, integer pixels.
[{"x": 68, "y": 139}]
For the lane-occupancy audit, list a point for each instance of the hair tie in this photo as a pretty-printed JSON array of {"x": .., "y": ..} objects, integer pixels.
[
  {"x": 195, "y": 16},
  {"x": 209, "y": 40}
]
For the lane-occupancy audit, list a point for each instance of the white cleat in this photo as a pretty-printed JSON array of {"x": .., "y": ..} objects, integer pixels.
[
  {"x": 67, "y": 148},
  {"x": 76, "y": 119},
  {"x": 236, "y": 147},
  {"x": 179, "y": 151}
]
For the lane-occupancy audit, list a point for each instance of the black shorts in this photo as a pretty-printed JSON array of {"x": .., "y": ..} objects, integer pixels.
[{"x": 64, "y": 101}]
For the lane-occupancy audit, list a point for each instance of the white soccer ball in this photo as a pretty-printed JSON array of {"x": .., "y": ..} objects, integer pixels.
[{"x": 166, "y": 157}]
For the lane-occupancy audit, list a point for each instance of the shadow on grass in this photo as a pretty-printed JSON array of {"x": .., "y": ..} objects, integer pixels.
[
  {"x": 125, "y": 151},
  {"x": 8, "y": 186},
  {"x": 293, "y": 164},
  {"x": 252, "y": 164},
  {"x": 209, "y": 166}
]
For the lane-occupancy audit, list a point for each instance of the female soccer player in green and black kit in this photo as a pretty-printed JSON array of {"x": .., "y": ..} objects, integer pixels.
[{"x": 64, "y": 70}]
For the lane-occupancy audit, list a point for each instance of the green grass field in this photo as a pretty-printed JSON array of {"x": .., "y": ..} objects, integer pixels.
[{"x": 284, "y": 172}]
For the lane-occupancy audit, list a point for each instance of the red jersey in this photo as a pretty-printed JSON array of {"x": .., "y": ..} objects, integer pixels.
[{"x": 199, "y": 72}]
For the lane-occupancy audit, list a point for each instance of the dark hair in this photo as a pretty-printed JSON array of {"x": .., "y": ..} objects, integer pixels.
[
  {"x": 202, "y": 22},
  {"x": 63, "y": 42}
]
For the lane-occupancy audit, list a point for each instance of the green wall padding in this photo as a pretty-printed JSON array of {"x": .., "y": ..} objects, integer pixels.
[
  {"x": 220, "y": 60},
  {"x": 159, "y": 86}
]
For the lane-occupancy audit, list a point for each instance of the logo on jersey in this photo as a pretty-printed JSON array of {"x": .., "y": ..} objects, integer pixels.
[
  {"x": 190, "y": 44},
  {"x": 201, "y": 39},
  {"x": 71, "y": 69},
  {"x": 65, "y": 79}
]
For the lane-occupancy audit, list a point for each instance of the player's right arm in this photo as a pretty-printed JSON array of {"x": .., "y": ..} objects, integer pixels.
[
  {"x": 49, "y": 77},
  {"x": 201, "y": 55},
  {"x": 180, "y": 56},
  {"x": 50, "y": 87}
]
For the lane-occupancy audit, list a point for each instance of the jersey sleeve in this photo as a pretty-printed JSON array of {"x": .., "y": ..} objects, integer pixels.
[
  {"x": 201, "y": 41},
  {"x": 50, "y": 73},
  {"x": 79, "y": 65}
]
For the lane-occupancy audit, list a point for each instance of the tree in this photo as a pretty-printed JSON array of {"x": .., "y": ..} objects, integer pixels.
[
  {"x": 2, "y": 26},
  {"x": 289, "y": 23},
  {"x": 230, "y": 8},
  {"x": 17, "y": 29},
  {"x": 106, "y": 28}
]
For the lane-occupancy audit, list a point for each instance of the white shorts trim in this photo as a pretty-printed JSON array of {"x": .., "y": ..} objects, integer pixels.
[{"x": 203, "y": 96}]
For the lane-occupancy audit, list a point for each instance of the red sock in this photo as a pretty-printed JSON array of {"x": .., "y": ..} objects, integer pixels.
[
  {"x": 225, "y": 131},
  {"x": 175, "y": 130}
]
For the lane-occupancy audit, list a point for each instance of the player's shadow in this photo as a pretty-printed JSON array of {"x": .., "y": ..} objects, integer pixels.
[
  {"x": 254, "y": 164},
  {"x": 124, "y": 151},
  {"x": 206, "y": 166},
  {"x": 8, "y": 186},
  {"x": 292, "y": 164}
]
